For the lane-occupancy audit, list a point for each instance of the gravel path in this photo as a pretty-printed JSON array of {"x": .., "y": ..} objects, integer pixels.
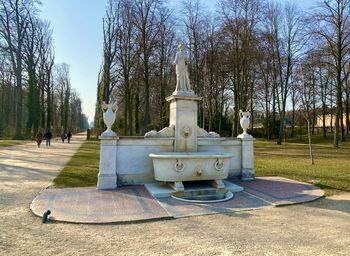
[{"x": 318, "y": 228}]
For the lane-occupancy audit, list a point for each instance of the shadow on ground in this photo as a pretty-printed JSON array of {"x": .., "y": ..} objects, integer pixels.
[{"x": 339, "y": 203}]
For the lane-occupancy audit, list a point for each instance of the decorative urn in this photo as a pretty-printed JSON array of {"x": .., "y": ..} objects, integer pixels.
[
  {"x": 245, "y": 122},
  {"x": 109, "y": 116}
]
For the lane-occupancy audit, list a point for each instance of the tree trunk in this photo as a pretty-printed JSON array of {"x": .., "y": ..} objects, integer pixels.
[
  {"x": 310, "y": 144},
  {"x": 137, "y": 107}
]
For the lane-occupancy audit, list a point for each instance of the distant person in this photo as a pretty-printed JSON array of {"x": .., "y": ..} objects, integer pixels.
[
  {"x": 48, "y": 136},
  {"x": 39, "y": 138},
  {"x": 63, "y": 136},
  {"x": 69, "y": 136}
]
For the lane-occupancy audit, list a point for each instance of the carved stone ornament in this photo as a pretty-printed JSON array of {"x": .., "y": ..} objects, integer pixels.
[
  {"x": 245, "y": 122},
  {"x": 198, "y": 170},
  {"x": 164, "y": 133},
  {"x": 109, "y": 116},
  {"x": 179, "y": 166},
  {"x": 218, "y": 165},
  {"x": 186, "y": 131},
  {"x": 201, "y": 133},
  {"x": 167, "y": 131}
]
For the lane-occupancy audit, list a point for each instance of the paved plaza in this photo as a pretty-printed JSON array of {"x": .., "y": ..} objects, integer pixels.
[
  {"x": 134, "y": 203},
  {"x": 321, "y": 227}
]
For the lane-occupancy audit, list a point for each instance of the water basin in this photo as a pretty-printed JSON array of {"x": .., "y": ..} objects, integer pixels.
[{"x": 190, "y": 166}]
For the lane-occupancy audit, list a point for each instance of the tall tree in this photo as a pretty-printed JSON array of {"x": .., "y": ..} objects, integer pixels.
[
  {"x": 125, "y": 56},
  {"x": 332, "y": 25},
  {"x": 164, "y": 52},
  {"x": 240, "y": 20},
  {"x": 107, "y": 76},
  {"x": 14, "y": 21},
  {"x": 63, "y": 92},
  {"x": 146, "y": 19},
  {"x": 194, "y": 20},
  {"x": 283, "y": 26}
]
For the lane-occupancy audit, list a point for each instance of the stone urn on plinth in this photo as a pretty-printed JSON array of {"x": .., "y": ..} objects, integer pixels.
[
  {"x": 247, "y": 148},
  {"x": 109, "y": 116},
  {"x": 107, "y": 176}
]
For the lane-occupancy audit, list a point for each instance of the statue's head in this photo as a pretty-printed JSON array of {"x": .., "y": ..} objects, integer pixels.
[{"x": 181, "y": 46}]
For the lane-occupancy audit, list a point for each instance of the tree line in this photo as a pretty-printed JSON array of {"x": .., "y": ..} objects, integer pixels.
[
  {"x": 284, "y": 64},
  {"x": 35, "y": 92}
]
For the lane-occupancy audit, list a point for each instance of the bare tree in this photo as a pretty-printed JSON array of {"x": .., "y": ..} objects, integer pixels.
[
  {"x": 239, "y": 21},
  {"x": 125, "y": 57},
  {"x": 63, "y": 92},
  {"x": 146, "y": 20},
  {"x": 284, "y": 28},
  {"x": 14, "y": 21},
  {"x": 107, "y": 76},
  {"x": 306, "y": 92},
  {"x": 163, "y": 65},
  {"x": 332, "y": 24},
  {"x": 31, "y": 59}
]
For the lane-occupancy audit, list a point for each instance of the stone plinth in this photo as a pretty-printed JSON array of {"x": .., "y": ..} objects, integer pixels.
[
  {"x": 248, "y": 172},
  {"x": 107, "y": 176},
  {"x": 183, "y": 114}
]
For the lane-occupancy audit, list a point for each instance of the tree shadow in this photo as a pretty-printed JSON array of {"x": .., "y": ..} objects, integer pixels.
[{"x": 333, "y": 203}]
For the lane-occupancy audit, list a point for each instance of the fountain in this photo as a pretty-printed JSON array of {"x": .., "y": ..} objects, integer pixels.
[
  {"x": 192, "y": 161},
  {"x": 186, "y": 163}
]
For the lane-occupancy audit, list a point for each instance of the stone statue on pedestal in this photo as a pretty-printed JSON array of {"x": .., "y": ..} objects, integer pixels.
[{"x": 182, "y": 79}]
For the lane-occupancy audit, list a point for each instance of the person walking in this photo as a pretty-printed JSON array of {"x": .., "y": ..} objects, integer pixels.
[
  {"x": 69, "y": 136},
  {"x": 48, "y": 136},
  {"x": 63, "y": 136},
  {"x": 39, "y": 138}
]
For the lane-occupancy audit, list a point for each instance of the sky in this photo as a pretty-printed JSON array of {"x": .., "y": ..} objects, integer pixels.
[{"x": 77, "y": 35}]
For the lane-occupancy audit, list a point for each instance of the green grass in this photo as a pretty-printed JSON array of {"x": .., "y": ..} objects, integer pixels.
[
  {"x": 82, "y": 169},
  {"x": 331, "y": 170},
  {"x": 9, "y": 142}
]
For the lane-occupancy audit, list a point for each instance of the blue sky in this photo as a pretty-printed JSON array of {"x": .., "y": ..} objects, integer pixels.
[{"x": 77, "y": 33}]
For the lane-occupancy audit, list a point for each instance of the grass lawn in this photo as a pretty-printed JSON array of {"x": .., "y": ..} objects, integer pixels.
[
  {"x": 9, "y": 142},
  {"x": 330, "y": 172},
  {"x": 82, "y": 169}
]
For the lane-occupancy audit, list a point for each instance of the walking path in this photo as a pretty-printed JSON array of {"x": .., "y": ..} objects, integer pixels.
[{"x": 317, "y": 228}]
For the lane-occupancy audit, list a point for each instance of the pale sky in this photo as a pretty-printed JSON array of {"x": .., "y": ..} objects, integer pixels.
[{"x": 77, "y": 34}]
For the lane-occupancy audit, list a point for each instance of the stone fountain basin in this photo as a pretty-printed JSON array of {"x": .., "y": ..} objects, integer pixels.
[{"x": 189, "y": 166}]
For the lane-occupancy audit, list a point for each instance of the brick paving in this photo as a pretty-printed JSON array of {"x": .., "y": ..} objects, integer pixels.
[
  {"x": 281, "y": 191},
  {"x": 89, "y": 205},
  {"x": 134, "y": 203}
]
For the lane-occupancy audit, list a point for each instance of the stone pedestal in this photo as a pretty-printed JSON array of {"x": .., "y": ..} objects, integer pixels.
[
  {"x": 183, "y": 114},
  {"x": 107, "y": 176},
  {"x": 248, "y": 172}
]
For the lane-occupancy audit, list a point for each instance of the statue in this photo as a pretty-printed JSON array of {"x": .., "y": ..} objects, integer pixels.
[{"x": 182, "y": 79}]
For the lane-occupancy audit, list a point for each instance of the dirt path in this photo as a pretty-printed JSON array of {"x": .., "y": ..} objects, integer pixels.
[{"x": 318, "y": 228}]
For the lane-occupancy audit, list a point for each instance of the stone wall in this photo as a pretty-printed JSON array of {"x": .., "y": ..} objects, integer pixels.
[{"x": 134, "y": 166}]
